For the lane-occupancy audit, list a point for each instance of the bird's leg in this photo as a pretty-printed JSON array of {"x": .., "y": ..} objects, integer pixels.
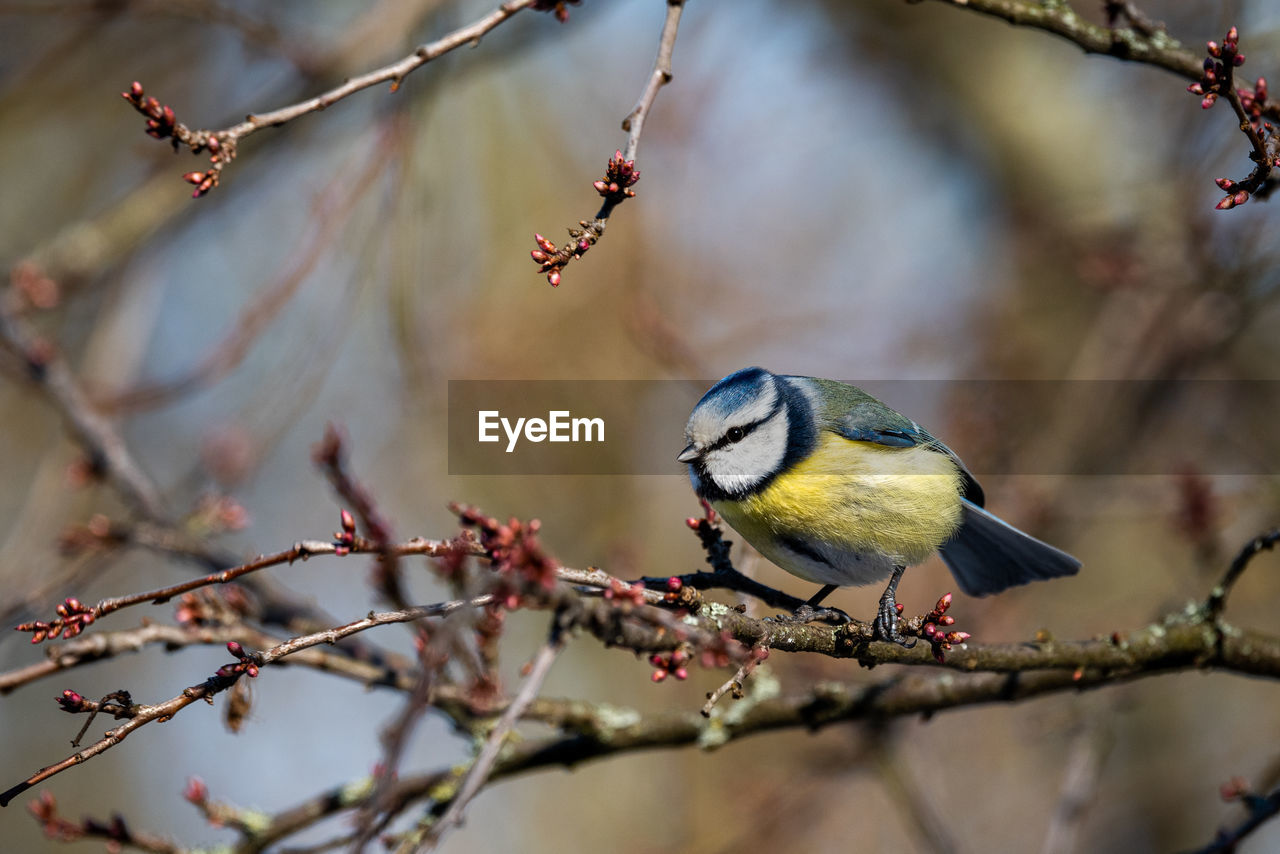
[
  {"x": 809, "y": 611},
  {"x": 886, "y": 622}
]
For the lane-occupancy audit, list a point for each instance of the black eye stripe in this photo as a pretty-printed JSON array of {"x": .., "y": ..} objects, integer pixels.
[{"x": 744, "y": 429}]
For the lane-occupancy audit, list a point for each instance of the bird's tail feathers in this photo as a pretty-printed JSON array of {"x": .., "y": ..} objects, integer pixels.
[{"x": 987, "y": 555}]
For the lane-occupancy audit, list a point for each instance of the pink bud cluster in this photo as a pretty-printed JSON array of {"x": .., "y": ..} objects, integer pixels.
[
  {"x": 208, "y": 607},
  {"x": 246, "y": 663},
  {"x": 33, "y": 287},
  {"x": 162, "y": 124},
  {"x": 345, "y": 540},
  {"x": 934, "y": 629},
  {"x": 196, "y": 792},
  {"x": 1217, "y": 68},
  {"x": 204, "y": 181},
  {"x": 514, "y": 549},
  {"x": 560, "y": 8},
  {"x": 99, "y": 532},
  {"x": 218, "y": 514},
  {"x": 45, "y": 810},
  {"x": 619, "y": 176},
  {"x": 620, "y": 591},
  {"x": 73, "y": 618},
  {"x": 670, "y": 664},
  {"x": 1219, "y": 81},
  {"x": 1235, "y": 194},
  {"x": 72, "y": 702},
  {"x": 115, "y": 832}
]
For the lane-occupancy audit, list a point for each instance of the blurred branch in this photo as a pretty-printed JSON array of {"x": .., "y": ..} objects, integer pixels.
[
  {"x": 258, "y": 32},
  {"x": 1133, "y": 45},
  {"x": 916, "y": 803},
  {"x": 104, "y": 446},
  {"x": 332, "y": 208},
  {"x": 479, "y": 772},
  {"x": 1081, "y": 777},
  {"x": 601, "y": 731}
]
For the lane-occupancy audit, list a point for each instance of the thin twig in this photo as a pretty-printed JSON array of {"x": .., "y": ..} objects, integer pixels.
[
  {"x": 659, "y": 77},
  {"x": 145, "y": 714},
  {"x": 734, "y": 683},
  {"x": 395, "y": 73},
  {"x": 1218, "y": 597},
  {"x": 331, "y": 210},
  {"x": 478, "y": 774}
]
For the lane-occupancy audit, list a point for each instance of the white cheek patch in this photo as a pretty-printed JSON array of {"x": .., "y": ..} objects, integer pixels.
[{"x": 741, "y": 465}]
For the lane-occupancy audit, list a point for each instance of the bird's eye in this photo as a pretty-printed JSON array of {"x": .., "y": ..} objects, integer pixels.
[{"x": 736, "y": 434}]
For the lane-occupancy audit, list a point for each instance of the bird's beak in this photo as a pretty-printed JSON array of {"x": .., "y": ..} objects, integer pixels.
[{"x": 689, "y": 454}]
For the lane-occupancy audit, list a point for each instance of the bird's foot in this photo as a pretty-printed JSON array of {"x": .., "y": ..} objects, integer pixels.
[
  {"x": 807, "y": 613},
  {"x": 885, "y": 626}
]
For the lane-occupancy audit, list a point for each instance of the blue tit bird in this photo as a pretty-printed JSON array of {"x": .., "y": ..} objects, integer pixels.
[{"x": 837, "y": 488}]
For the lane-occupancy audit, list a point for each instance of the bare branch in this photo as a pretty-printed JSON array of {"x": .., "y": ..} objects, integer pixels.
[
  {"x": 142, "y": 715},
  {"x": 1218, "y": 597},
  {"x": 661, "y": 76}
]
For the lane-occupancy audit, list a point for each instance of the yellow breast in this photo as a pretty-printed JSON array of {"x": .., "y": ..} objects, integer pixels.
[{"x": 857, "y": 497}]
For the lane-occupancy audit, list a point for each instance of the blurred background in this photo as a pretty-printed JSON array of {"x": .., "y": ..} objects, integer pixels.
[{"x": 874, "y": 191}]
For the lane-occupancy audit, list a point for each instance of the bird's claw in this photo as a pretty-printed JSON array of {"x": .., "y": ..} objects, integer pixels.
[
  {"x": 806, "y": 613},
  {"x": 885, "y": 626}
]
